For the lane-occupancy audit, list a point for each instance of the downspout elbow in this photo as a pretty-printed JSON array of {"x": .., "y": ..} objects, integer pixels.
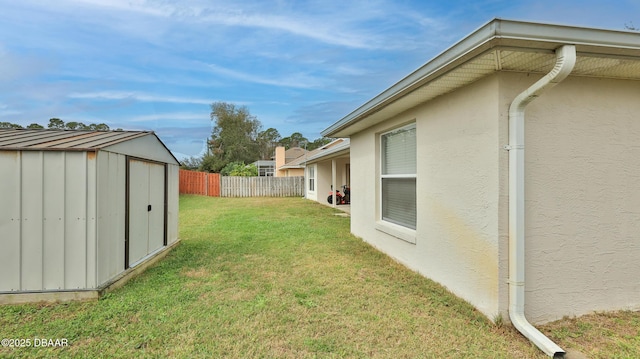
[{"x": 565, "y": 62}]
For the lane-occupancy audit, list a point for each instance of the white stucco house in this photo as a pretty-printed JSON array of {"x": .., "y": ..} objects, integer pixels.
[
  {"x": 507, "y": 169},
  {"x": 326, "y": 167}
]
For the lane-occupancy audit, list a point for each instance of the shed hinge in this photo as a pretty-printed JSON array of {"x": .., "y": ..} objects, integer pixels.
[{"x": 513, "y": 147}]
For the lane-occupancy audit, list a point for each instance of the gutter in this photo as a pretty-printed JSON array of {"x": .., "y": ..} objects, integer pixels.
[{"x": 565, "y": 61}]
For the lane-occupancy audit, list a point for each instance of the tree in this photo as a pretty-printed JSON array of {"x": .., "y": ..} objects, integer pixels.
[
  {"x": 9, "y": 125},
  {"x": 72, "y": 125},
  {"x": 99, "y": 127},
  {"x": 268, "y": 140},
  {"x": 191, "y": 163},
  {"x": 318, "y": 142},
  {"x": 239, "y": 169},
  {"x": 56, "y": 124},
  {"x": 233, "y": 138},
  {"x": 91, "y": 127},
  {"x": 295, "y": 140}
]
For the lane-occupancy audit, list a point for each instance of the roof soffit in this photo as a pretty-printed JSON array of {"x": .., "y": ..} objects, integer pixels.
[{"x": 499, "y": 46}]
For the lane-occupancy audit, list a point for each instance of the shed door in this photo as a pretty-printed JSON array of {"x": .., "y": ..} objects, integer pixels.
[{"x": 146, "y": 209}]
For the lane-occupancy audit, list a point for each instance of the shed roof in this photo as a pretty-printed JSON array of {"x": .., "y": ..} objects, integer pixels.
[
  {"x": 333, "y": 149},
  {"x": 499, "y": 45},
  {"x": 63, "y": 140},
  {"x": 19, "y": 139}
]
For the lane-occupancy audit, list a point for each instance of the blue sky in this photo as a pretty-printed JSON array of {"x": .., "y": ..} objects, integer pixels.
[{"x": 298, "y": 66}]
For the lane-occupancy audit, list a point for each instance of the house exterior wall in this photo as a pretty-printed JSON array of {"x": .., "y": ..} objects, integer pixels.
[
  {"x": 47, "y": 221},
  {"x": 582, "y": 214},
  {"x": 291, "y": 172},
  {"x": 458, "y": 149},
  {"x": 341, "y": 172},
  {"x": 582, "y": 196},
  {"x": 323, "y": 181}
]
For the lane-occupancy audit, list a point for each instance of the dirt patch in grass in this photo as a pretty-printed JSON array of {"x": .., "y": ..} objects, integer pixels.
[
  {"x": 600, "y": 335},
  {"x": 196, "y": 273}
]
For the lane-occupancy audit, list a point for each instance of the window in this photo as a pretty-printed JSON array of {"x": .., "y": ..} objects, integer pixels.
[
  {"x": 312, "y": 178},
  {"x": 398, "y": 176},
  {"x": 265, "y": 168}
]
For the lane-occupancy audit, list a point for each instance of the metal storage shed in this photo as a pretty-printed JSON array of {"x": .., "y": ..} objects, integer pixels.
[{"x": 81, "y": 211}]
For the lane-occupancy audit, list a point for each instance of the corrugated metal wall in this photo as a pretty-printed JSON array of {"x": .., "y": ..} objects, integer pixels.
[
  {"x": 111, "y": 204},
  {"x": 47, "y": 220},
  {"x": 173, "y": 182},
  {"x": 62, "y": 217}
]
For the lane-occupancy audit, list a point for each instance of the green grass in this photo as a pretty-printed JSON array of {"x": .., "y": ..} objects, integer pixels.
[{"x": 274, "y": 278}]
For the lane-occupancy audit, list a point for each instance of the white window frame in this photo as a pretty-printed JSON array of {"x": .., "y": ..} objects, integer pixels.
[
  {"x": 405, "y": 231},
  {"x": 265, "y": 170},
  {"x": 311, "y": 174}
]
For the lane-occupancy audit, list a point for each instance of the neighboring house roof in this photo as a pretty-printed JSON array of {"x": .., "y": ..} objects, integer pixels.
[
  {"x": 264, "y": 163},
  {"x": 19, "y": 139},
  {"x": 293, "y": 153},
  {"x": 334, "y": 148},
  {"x": 499, "y": 45}
]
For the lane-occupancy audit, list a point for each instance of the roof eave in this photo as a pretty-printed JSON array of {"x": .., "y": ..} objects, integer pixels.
[
  {"x": 327, "y": 156},
  {"x": 285, "y": 167},
  {"x": 497, "y": 32}
]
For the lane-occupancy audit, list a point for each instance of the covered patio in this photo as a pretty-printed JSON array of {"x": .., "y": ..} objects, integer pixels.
[{"x": 328, "y": 168}]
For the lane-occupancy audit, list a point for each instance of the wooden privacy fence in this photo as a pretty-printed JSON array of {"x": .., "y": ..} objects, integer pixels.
[
  {"x": 202, "y": 183},
  {"x": 214, "y": 185},
  {"x": 262, "y": 186}
]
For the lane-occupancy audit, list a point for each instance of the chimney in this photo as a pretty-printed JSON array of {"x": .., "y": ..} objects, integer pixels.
[{"x": 280, "y": 161}]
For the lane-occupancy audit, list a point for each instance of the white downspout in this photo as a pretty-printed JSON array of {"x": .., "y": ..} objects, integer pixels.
[{"x": 565, "y": 61}]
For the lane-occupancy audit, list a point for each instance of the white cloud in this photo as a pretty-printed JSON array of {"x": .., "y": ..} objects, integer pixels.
[
  {"x": 122, "y": 95},
  {"x": 4, "y": 113},
  {"x": 350, "y": 26},
  {"x": 295, "y": 80},
  {"x": 320, "y": 31},
  {"x": 181, "y": 117}
]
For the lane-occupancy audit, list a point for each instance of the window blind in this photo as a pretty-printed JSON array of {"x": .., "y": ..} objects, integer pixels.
[
  {"x": 399, "y": 152},
  {"x": 398, "y": 176},
  {"x": 399, "y": 201},
  {"x": 312, "y": 179}
]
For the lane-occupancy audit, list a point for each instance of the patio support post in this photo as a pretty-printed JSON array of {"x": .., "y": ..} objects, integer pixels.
[{"x": 333, "y": 182}]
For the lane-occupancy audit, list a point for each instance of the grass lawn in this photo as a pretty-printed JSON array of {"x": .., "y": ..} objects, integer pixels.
[{"x": 283, "y": 278}]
